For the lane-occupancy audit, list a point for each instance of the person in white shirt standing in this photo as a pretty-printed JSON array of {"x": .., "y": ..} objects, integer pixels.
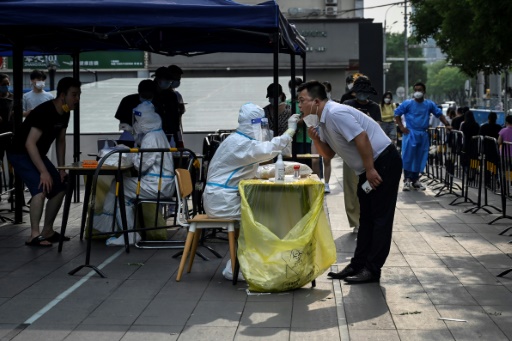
[{"x": 37, "y": 95}]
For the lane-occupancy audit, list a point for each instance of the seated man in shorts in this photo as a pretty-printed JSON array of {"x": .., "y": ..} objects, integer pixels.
[{"x": 45, "y": 123}]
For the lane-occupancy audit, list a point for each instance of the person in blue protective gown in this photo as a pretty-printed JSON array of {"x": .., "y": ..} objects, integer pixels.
[{"x": 415, "y": 141}]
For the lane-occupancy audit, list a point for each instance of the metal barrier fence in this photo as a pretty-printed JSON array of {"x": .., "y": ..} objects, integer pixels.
[{"x": 476, "y": 163}]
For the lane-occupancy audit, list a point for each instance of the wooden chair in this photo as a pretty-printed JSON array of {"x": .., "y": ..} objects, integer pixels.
[{"x": 184, "y": 189}]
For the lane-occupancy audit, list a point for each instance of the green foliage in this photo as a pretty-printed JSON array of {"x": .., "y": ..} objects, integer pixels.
[
  {"x": 445, "y": 83},
  {"x": 395, "y": 75},
  {"x": 474, "y": 34}
]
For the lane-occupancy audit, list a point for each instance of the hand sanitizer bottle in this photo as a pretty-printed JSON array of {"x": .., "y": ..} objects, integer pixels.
[{"x": 279, "y": 168}]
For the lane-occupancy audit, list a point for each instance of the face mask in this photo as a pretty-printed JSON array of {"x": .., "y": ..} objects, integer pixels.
[
  {"x": 350, "y": 86},
  {"x": 175, "y": 84},
  {"x": 39, "y": 85},
  {"x": 311, "y": 120},
  {"x": 142, "y": 99},
  {"x": 362, "y": 97},
  {"x": 387, "y": 100},
  {"x": 271, "y": 100},
  {"x": 4, "y": 89},
  {"x": 418, "y": 94},
  {"x": 328, "y": 95},
  {"x": 164, "y": 84},
  {"x": 65, "y": 107}
]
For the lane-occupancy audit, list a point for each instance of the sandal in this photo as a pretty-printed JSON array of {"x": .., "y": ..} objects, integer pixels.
[
  {"x": 55, "y": 238},
  {"x": 36, "y": 241}
]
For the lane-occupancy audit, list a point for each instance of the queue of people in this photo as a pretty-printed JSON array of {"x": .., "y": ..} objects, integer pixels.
[{"x": 362, "y": 132}]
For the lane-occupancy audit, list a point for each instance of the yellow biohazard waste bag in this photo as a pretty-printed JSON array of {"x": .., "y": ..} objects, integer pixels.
[
  {"x": 102, "y": 188},
  {"x": 285, "y": 239}
]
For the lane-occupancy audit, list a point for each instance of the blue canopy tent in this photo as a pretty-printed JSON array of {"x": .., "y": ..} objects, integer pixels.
[{"x": 168, "y": 27}]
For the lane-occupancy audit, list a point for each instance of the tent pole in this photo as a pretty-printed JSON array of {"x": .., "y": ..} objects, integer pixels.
[
  {"x": 294, "y": 101},
  {"x": 76, "y": 124},
  {"x": 276, "y": 82},
  {"x": 17, "y": 57},
  {"x": 303, "y": 67}
]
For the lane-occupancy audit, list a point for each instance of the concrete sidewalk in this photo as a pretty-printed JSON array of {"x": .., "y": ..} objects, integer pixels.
[{"x": 443, "y": 264}]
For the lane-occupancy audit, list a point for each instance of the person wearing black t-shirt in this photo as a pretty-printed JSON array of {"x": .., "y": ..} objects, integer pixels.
[
  {"x": 491, "y": 128},
  {"x": 27, "y": 154}
]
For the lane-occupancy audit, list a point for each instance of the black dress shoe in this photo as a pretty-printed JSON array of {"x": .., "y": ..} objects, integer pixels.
[
  {"x": 348, "y": 271},
  {"x": 363, "y": 276}
]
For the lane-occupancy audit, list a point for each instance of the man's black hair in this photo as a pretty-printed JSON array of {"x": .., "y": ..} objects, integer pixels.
[
  {"x": 66, "y": 83},
  {"x": 315, "y": 89},
  {"x": 492, "y": 117},
  {"x": 420, "y": 84},
  {"x": 508, "y": 119},
  {"x": 298, "y": 81},
  {"x": 37, "y": 74}
]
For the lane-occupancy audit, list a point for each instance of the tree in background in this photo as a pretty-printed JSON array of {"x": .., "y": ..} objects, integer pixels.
[
  {"x": 446, "y": 83},
  {"x": 474, "y": 34},
  {"x": 395, "y": 75}
]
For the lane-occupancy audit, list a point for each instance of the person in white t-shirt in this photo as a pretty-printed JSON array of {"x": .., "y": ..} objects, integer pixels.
[{"x": 37, "y": 95}]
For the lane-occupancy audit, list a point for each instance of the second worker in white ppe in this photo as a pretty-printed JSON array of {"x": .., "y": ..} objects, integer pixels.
[
  {"x": 149, "y": 125},
  {"x": 238, "y": 157}
]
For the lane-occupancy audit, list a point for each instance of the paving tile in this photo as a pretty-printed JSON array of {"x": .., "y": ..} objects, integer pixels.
[
  {"x": 411, "y": 242},
  {"x": 501, "y": 315},
  {"x": 415, "y": 316},
  {"x": 475, "y": 243},
  {"x": 395, "y": 259},
  {"x": 117, "y": 311},
  {"x": 465, "y": 261},
  {"x": 425, "y": 335},
  {"x": 138, "y": 288},
  {"x": 19, "y": 309},
  {"x": 494, "y": 260},
  {"x": 449, "y": 294},
  {"x": 7, "y": 329},
  {"x": 374, "y": 335},
  {"x": 456, "y": 228},
  {"x": 443, "y": 242},
  {"x": 314, "y": 334},
  {"x": 166, "y": 313},
  {"x": 267, "y": 315},
  {"x": 415, "y": 260},
  {"x": 69, "y": 311},
  {"x": 399, "y": 275},
  {"x": 315, "y": 315},
  {"x": 97, "y": 287},
  {"x": 435, "y": 275},
  {"x": 475, "y": 276},
  {"x": 490, "y": 295},
  {"x": 255, "y": 333},
  {"x": 106, "y": 332},
  {"x": 13, "y": 286},
  {"x": 48, "y": 331},
  {"x": 479, "y": 325},
  {"x": 224, "y": 290},
  {"x": 208, "y": 313},
  {"x": 153, "y": 333},
  {"x": 365, "y": 307},
  {"x": 404, "y": 293}
]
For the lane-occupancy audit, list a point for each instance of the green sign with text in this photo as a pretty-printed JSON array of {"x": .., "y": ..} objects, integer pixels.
[{"x": 88, "y": 60}]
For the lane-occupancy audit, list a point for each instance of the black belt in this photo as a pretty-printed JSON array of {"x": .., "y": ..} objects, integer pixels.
[{"x": 386, "y": 151}]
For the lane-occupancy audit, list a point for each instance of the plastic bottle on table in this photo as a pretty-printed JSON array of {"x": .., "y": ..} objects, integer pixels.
[
  {"x": 279, "y": 168},
  {"x": 296, "y": 172}
]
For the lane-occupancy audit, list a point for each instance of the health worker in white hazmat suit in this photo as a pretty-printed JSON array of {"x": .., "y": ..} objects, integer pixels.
[
  {"x": 148, "y": 124},
  {"x": 238, "y": 157}
]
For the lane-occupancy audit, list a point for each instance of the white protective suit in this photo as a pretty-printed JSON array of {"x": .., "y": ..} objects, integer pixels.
[
  {"x": 237, "y": 158},
  {"x": 149, "y": 124}
]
